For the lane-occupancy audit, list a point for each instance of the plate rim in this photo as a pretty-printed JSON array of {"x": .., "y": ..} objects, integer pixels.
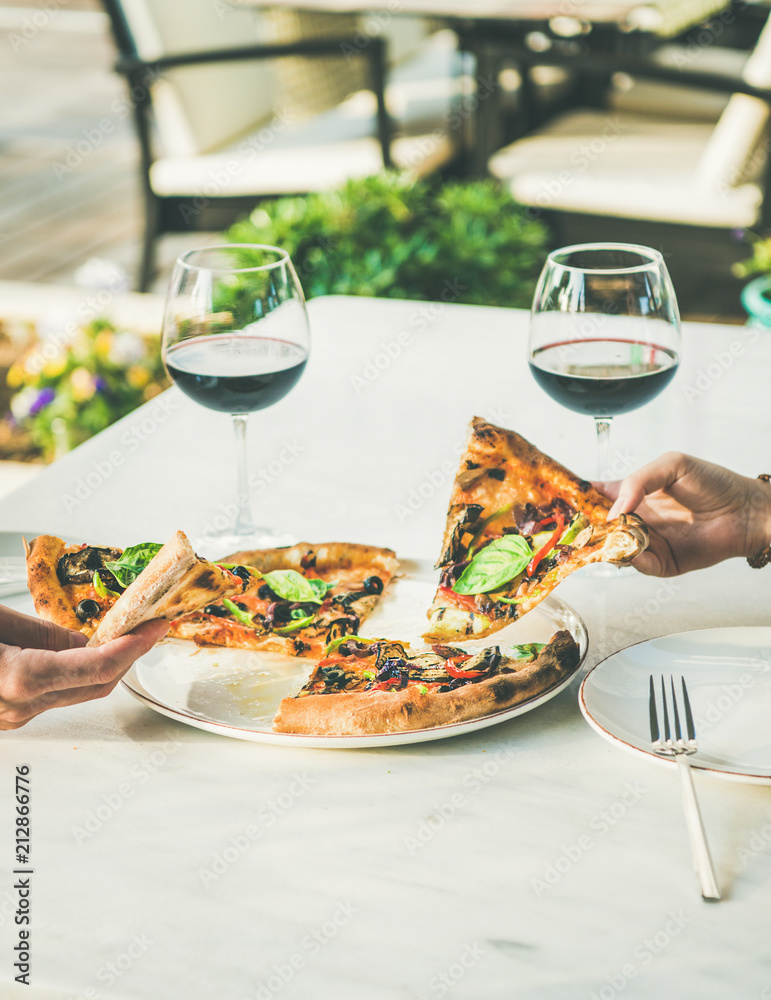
[
  {"x": 728, "y": 775},
  {"x": 133, "y": 685}
]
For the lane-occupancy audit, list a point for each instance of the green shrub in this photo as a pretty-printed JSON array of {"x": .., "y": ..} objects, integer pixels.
[{"x": 395, "y": 237}]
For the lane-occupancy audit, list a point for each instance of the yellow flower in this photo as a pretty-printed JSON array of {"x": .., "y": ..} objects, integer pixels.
[
  {"x": 137, "y": 377},
  {"x": 152, "y": 390},
  {"x": 83, "y": 385},
  {"x": 15, "y": 376},
  {"x": 103, "y": 344},
  {"x": 55, "y": 367}
]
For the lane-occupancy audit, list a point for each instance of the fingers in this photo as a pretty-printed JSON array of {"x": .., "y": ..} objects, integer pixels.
[
  {"x": 609, "y": 490},
  {"x": 103, "y": 664},
  {"x": 659, "y": 474},
  {"x": 17, "y": 629},
  {"x": 33, "y": 680}
]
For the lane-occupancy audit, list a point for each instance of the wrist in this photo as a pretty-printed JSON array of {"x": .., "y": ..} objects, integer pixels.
[{"x": 758, "y": 522}]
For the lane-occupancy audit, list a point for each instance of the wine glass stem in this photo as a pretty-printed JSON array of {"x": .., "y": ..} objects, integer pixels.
[
  {"x": 603, "y": 446},
  {"x": 244, "y": 522}
]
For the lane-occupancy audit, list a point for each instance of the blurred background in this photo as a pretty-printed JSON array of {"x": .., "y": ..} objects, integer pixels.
[{"x": 387, "y": 148}]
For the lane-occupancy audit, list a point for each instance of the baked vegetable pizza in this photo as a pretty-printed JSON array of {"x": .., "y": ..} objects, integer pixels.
[
  {"x": 370, "y": 686},
  {"x": 292, "y": 600},
  {"x": 517, "y": 525}
]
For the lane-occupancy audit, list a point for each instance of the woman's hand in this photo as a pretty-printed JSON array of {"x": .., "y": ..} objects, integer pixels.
[
  {"x": 698, "y": 513},
  {"x": 45, "y": 666}
]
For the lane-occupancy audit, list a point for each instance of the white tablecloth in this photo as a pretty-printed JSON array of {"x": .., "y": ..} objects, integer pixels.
[{"x": 532, "y": 859}]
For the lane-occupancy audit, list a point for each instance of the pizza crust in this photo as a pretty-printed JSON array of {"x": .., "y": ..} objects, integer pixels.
[
  {"x": 381, "y": 712},
  {"x": 48, "y": 595},
  {"x": 175, "y": 582}
]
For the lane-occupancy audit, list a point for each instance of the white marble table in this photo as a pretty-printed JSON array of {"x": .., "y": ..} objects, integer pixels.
[{"x": 532, "y": 859}]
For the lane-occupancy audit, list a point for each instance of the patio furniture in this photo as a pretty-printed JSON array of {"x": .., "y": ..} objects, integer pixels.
[
  {"x": 528, "y": 859},
  {"x": 219, "y": 127},
  {"x": 659, "y": 166}
]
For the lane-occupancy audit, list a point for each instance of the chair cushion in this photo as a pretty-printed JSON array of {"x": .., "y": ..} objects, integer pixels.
[{"x": 632, "y": 166}]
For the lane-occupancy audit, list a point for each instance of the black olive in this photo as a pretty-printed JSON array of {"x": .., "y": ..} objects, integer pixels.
[
  {"x": 265, "y": 593},
  {"x": 499, "y": 474},
  {"x": 240, "y": 606},
  {"x": 373, "y": 585},
  {"x": 87, "y": 609},
  {"x": 245, "y": 575},
  {"x": 282, "y": 612},
  {"x": 217, "y": 610}
]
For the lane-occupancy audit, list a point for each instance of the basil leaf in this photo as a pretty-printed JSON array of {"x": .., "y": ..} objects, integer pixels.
[
  {"x": 291, "y": 585},
  {"x": 242, "y": 617},
  {"x": 527, "y": 651},
  {"x": 496, "y": 564},
  {"x": 294, "y": 626},
  {"x": 335, "y": 644},
  {"x": 133, "y": 560},
  {"x": 320, "y": 587},
  {"x": 101, "y": 588}
]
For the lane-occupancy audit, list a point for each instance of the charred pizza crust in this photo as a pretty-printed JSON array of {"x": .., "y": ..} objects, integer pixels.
[
  {"x": 500, "y": 470},
  {"x": 364, "y": 713}
]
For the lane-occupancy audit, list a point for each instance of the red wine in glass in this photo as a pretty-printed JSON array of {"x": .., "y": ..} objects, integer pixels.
[
  {"x": 236, "y": 374},
  {"x": 236, "y": 340},
  {"x": 603, "y": 378}
]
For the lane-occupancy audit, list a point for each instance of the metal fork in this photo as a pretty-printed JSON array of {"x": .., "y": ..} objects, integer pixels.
[{"x": 679, "y": 748}]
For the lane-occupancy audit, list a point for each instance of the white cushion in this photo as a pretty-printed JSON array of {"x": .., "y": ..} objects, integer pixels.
[
  {"x": 321, "y": 153},
  {"x": 632, "y": 166}
]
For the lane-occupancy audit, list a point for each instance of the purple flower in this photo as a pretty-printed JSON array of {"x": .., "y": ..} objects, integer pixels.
[
  {"x": 99, "y": 384},
  {"x": 44, "y": 397},
  {"x": 738, "y": 234}
]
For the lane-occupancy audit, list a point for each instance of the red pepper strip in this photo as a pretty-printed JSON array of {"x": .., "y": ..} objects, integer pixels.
[
  {"x": 385, "y": 685},
  {"x": 548, "y": 546},
  {"x": 465, "y": 601},
  {"x": 454, "y": 671},
  {"x": 542, "y": 524}
]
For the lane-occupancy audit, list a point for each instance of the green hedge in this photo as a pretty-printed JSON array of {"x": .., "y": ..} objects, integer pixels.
[{"x": 395, "y": 237}]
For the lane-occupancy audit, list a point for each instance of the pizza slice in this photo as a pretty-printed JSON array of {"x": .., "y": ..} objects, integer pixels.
[
  {"x": 105, "y": 592},
  {"x": 371, "y": 686},
  {"x": 291, "y": 600},
  {"x": 295, "y": 599},
  {"x": 517, "y": 525}
]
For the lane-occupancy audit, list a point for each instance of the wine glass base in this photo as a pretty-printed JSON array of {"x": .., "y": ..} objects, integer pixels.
[
  {"x": 607, "y": 571},
  {"x": 219, "y": 545}
]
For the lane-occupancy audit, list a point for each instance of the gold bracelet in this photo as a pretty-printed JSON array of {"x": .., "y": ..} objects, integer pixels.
[{"x": 763, "y": 558}]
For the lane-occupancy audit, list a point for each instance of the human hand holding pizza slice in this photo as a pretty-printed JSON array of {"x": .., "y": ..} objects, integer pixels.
[
  {"x": 43, "y": 665},
  {"x": 698, "y": 513}
]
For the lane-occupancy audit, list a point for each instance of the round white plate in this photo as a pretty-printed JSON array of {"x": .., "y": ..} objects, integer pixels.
[
  {"x": 728, "y": 674},
  {"x": 236, "y": 692}
]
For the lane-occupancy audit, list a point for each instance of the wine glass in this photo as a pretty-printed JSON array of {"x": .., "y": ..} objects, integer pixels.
[
  {"x": 236, "y": 339},
  {"x": 604, "y": 331}
]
